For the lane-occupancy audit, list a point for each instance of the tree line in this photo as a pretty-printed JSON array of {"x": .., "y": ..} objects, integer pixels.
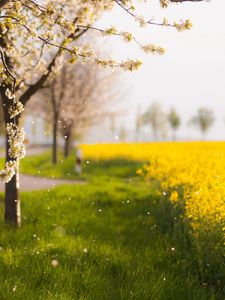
[{"x": 158, "y": 120}]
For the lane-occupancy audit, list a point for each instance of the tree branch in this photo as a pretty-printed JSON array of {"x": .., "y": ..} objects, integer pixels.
[
  {"x": 41, "y": 81},
  {"x": 3, "y": 2}
]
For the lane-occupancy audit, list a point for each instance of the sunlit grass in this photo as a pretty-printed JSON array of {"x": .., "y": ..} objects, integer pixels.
[
  {"x": 41, "y": 165},
  {"x": 108, "y": 240},
  {"x": 113, "y": 238}
]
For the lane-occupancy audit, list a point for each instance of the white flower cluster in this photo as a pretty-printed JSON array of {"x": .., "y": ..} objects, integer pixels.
[
  {"x": 164, "y": 3},
  {"x": 110, "y": 31},
  {"x": 127, "y": 36},
  {"x": 9, "y": 94},
  {"x": 127, "y": 65},
  {"x": 130, "y": 65},
  {"x": 16, "y": 109},
  {"x": 183, "y": 25},
  {"x": 151, "y": 48},
  {"x": 16, "y": 151},
  {"x": 10, "y": 170},
  {"x": 49, "y": 35},
  {"x": 16, "y": 138},
  {"x": 141, "y": 21}
]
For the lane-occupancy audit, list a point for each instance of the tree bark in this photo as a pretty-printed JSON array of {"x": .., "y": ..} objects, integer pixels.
[
  {"x": 54, "y": 141},
  {"x": 12, "y": 200},
  {"x": 3, "y": 2},
  {"x": 67, "y": 143}
]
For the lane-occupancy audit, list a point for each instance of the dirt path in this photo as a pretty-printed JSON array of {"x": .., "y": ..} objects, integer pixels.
[
  {"x": 31, "y": 183},
  {"x": 30, "y": 151}
]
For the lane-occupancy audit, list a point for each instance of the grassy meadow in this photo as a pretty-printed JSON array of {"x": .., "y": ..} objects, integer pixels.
[{"x": 115, "y": 237}]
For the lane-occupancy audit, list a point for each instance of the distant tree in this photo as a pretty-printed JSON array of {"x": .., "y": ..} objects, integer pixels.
[
  {"x": 138, "y": 124},
  {"x": 123, "y": 133},
  {"x": 174, "y": 121},
  {"x": 156, "y": 118},
  {"x": 47, "y": 126},
  {"x": 112, "y": 123},
  {"x": 89, "y": 92},
  {"x": 34, "y": 130},
  {"x": 204, "y": 119},
  {"x": 74, "y": 100}
]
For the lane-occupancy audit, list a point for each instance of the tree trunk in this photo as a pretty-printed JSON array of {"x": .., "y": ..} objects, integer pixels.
[
  {"x": 54, "y": 142},
  {"x": 12, "y": 200},
  {"x": 67, "y": 143}
]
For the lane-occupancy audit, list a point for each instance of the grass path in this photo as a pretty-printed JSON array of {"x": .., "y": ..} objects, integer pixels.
[{"x": 31, "y": 183}]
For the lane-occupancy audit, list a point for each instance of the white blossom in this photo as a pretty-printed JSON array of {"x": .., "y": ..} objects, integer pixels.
[
  {"x": 16, "y": 109},
  {"x": 9, "y": 94}
]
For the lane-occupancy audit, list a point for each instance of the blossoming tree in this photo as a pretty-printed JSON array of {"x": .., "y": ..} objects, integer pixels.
[
  {"x": 29, "y": 30},
  {"x": 77, "y": 97}
]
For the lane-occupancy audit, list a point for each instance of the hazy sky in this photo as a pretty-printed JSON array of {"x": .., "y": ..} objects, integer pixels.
[{"x": 192, "y": 72}]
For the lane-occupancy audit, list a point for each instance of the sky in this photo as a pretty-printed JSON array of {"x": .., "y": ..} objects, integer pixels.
[{"x": 190, "y": 75}]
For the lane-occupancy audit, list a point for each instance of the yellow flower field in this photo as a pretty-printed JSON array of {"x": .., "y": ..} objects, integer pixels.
[{"x": 191, "y": 174}]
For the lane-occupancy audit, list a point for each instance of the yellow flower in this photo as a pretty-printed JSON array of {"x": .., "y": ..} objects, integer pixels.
[
  {"x": 174, "y": 197},
  {"x": 196, "y": 167}
]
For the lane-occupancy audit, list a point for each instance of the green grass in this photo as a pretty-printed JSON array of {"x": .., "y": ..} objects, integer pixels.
[
  {"x": 41, "y": 165},
  {"x": 114, "y": 238}
]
